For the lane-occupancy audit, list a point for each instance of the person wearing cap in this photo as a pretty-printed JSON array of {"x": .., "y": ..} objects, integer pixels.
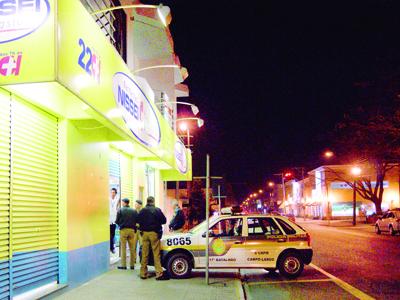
[
  {"x": 150, "y": 221},
  {"x": 126, "y": 220},
  {"x": 178, "y": 219}
]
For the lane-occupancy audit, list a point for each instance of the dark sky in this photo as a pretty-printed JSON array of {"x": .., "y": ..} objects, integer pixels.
[{"x": 271, "y": 78}]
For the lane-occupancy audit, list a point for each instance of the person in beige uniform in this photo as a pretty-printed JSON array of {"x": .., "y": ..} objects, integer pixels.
[
  {"x": 150, "y": 221},
  {"x": 126, "y": 220}
]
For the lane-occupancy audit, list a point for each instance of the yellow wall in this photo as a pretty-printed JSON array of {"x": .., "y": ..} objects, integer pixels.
[{"x": 84, "y": 187}]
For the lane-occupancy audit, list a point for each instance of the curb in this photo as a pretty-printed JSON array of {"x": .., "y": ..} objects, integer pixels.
[{"x": 240, "y": 289}]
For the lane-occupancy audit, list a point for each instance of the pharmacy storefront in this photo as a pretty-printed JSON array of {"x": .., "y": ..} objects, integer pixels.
[{"x": 74, "y": 122}]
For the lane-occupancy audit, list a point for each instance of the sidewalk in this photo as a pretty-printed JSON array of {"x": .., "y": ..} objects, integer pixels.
[
  {"x": 125, "y": 284},
  {"x": 345, "y": 224}
]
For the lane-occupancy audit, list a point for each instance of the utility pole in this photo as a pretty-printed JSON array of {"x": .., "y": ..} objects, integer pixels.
[
  {"x": 354, "y": 202},
  {"x": 207, "y": 217},
  {"x": 283, "y": 186},
  {"x": 207, "y": 178}
]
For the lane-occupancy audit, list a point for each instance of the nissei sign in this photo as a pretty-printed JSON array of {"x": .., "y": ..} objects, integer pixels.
[
  {"x": 136, "y": 110},
  {"x": 180, "y": 157},
  {"x": 18, "y": 18}
]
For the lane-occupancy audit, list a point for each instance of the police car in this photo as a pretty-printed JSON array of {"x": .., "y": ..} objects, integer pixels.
[{"x": 239, "y": 241}]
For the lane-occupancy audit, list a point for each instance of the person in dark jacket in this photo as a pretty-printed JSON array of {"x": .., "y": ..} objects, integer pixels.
[
  {"x": 126, "y": 220},
  {"x": 178, "y": 219},
  {"x": 150, "y": 221}
]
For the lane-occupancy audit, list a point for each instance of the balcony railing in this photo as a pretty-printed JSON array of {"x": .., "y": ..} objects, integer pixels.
[{"x": 112, "y": 23}]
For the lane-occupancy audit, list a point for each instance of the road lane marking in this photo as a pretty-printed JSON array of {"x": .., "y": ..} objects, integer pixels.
[
  {"x": 344, "y": 285},
  {"x": 289, "y": 281}
]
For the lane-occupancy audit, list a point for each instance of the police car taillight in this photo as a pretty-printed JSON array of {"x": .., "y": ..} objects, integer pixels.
[{"x": 308, "y": 239}]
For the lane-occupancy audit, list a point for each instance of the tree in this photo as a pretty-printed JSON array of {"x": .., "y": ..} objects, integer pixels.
[
  {"x": 370, "y": 137},
  {"x": 197, "y": 201}
]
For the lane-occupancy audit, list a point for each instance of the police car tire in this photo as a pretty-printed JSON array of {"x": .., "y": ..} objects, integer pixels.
[
  {"x": 290, "y": 257},
  {"x": 377, "y": 230},
  {"x": 176, "y": 260}
]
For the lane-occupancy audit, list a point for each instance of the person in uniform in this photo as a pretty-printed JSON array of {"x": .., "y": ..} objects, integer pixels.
[
  {"x": 126, "y": 220},
  {"x": 150, "y": 221}
]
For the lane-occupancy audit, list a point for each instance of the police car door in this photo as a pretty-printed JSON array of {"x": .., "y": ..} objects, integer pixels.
[
  {"x": 264, "y": 242},
  {"x": 226, "y": 243}
]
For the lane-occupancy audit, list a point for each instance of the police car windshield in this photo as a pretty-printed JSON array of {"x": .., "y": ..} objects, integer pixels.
[{"x": 202, "y": 225}]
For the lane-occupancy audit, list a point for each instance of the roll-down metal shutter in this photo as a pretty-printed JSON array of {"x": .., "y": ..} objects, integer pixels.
[
  {"x": 5, "y": 118},
  {"x": 34, "y": 197},
  {"x": 113, "y": 165},
  {"x": 126, "y": 177}
]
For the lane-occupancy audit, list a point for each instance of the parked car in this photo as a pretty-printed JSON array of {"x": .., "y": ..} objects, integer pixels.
[{"x": 389, "y": 222}]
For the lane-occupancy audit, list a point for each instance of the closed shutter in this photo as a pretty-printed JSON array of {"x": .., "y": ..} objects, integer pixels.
[
  {"x": 34, "y": 197},
  {"x": 126, "y": 177},
  {"x": 113, "y": 166},
  {"x": 4, "y": 195}
]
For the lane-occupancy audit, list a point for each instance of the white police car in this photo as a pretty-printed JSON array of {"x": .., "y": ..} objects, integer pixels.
[{"x": 239, "y": 241}]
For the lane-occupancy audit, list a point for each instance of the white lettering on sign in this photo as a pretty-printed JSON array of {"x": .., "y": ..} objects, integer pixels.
[
  {"x": 18, "y": 18},
  {"x": 344, "y": 186},
  {"x": 136, "y": 110},
  {"x": 180, "y": 157}
]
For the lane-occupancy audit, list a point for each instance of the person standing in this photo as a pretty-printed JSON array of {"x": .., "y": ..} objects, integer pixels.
[
  {"x": 114, "y": 206},
  {"x": 150, "y": 221},
  {"x": 178, "y": 219},
  {"x": 138, "y": 238},
  {"x": 126, "y": 220}
]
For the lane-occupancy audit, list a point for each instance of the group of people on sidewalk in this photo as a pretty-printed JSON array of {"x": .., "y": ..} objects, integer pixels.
[{"x": 143, "y": 226}]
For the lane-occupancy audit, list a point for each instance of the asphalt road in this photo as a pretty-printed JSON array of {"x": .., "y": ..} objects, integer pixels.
[{"x": 348, "y": 263}]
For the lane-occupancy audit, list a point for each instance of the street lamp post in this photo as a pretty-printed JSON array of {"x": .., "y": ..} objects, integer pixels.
[{"x": 354, "y": 202}]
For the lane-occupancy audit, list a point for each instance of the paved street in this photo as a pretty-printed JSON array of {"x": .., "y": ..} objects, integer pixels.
[{"x": 348, "y": 263}]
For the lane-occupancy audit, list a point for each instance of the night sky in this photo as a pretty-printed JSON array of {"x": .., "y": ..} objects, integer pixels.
[{"x": 271, "y": 78}]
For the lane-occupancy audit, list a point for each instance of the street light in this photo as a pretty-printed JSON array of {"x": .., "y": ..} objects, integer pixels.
[
  {"x": 328, "y": 154},
  {"x": 356, "y": 171},
  {"x": 200, "y": 122},
  {"x": 271, "y": 184},
  {"x": 183, "y": 126},
  {"x": 195, "y": 109},
  {"x": 260, "y": 191}
]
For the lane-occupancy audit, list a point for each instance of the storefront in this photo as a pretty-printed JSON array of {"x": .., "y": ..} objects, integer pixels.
[{"x": 74, "y": 122}]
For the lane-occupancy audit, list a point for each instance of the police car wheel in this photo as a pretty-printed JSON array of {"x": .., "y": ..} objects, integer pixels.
[
  {"x": 377, "y": 230},
  {"x": 291, "y": 265},
  {"x": 179, "y": 266}
]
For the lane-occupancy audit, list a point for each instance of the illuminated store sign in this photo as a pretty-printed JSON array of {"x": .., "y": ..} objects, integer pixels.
[
  {"x": 10, "y": 64},
  {"x": 136, "y": 110},
  {"x": 18, "y": 18},
  {"x": 180, "y": 157}
]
